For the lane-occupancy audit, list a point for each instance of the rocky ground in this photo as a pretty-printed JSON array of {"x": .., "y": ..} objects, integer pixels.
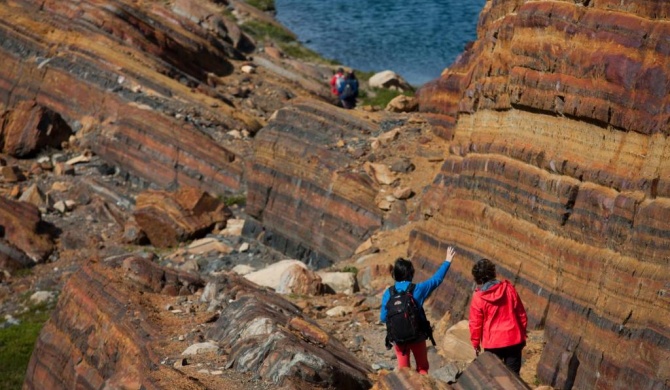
[
  {"x": 88, "y": 202},
  {"x": 92, "y": 229}
]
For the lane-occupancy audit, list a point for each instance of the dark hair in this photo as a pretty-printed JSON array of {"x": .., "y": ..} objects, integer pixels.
[
  {"x": 340, "y": 70},
  {"x": 403, "y": 270},
  {"x": 483, "y": 271}
]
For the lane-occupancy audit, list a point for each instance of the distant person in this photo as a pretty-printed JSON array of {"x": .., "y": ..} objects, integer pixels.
[
  {"x": 402, "y": 311},
  {"x": 348, "y": 91},
  {"x": 497, "y": 316},
  {"x": 336, "y": 81}
]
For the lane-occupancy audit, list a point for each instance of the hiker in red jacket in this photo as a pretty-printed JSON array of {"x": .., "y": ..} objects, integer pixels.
[
  {"x": 336, "y": 81},
  {"x": 497, "y": 316}
]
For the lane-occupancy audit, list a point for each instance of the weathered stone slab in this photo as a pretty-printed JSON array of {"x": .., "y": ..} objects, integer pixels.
[
  {"x": 22, "y": 228},
  {"x": 488, "y": 372},
  {"x": 31, "y": 127},
  {"x": 406, "y": 379},
  {"x": 169, "y": 218}
]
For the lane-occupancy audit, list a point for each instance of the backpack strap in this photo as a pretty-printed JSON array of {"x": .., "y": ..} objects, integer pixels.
[
  {"x": 392, "y": 291},
  {"x": 410, "y": 288}
]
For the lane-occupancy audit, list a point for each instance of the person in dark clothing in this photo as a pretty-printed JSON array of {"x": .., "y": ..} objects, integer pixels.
[
  {"x": 348, "y": 90},
  {"x": 403, "y": 273},
  {"x": 497, "y": 316}
]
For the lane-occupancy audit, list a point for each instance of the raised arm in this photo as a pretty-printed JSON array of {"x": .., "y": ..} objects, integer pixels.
[{"x": 424, "y": 289}]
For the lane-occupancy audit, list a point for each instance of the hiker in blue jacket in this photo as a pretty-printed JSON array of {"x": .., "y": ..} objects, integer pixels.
[
  {"x": 403, "y": 272},
  {"x": 348, "y": 90}
]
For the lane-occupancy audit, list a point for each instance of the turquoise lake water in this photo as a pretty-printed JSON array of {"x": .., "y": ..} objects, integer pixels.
[{"x": 416, "y": 39}]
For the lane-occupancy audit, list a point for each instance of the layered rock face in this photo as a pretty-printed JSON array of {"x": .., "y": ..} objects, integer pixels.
[
  {"x": 99, "y": 337},
  {"x": 558, "y": 117},
  {"x": 311, "y": 204},
  {"x": 152, "y": 88}
]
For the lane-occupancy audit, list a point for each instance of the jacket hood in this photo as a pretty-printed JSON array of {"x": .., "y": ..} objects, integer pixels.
[{"x": 495, "y": 292}]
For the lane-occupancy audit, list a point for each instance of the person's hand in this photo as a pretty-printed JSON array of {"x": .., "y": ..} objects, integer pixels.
[
  {"x": 451, "y": 252},
  {"x": 478, "y": 350}
]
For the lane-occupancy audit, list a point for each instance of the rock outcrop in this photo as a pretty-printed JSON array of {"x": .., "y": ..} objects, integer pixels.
[
  {"x": 559, "y": 172},
  {"x": 99, "y": 336},
  {"x": 110, "y": 330},
  {"x": 303, "y": 189}
]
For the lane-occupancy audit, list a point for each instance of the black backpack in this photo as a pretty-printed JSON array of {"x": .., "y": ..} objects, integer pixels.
[
  {"x": 404, "y": 320},
  {"x": 348, "y": 91}
]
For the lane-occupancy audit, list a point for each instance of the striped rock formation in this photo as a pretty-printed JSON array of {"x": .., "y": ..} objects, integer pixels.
[
  {"x": 111, "y": 330},
  {"x": 151, "y": 87},
  {"x": 558, "y": 117},
  {"x": 312, "y": 205}
]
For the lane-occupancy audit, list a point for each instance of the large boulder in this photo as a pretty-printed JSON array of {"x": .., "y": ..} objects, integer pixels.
[
  {"x": 402, "y": 103},
  {"x": 169, "y": 218},
  {"x": 389, "y": 80},
  {"x": 29, "y": 127},
  {"x": 24, "y": 238}
]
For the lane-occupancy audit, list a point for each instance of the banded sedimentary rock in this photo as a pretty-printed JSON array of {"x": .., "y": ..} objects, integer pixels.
[
  {"x": 110, "y": 330},
  {"x": 168, "y": 218},
  {"x": 24, "y": 238},
  {"x": 302, "y": 188},
  {"x": 130, "y": 80},
  {"x": 559, "y": 171},
  {"x": 99, "y": 335}
]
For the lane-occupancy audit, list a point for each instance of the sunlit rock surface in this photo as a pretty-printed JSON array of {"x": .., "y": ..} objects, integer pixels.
[
  {"x": 24, "y": 238},
  {"x": 168, "y": 218},
  {"x": 310, "y": 204},
  {"x": 559, "y": 171},
  {"x": 151, "y": 87}
]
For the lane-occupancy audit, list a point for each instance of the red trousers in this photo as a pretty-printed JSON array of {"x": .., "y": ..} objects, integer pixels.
[{"x": 419, "y": 351}]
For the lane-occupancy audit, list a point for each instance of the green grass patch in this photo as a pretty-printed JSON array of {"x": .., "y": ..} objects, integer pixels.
[
  {"x": 300, "y": 52},
  {"x": 350, "y": 268},
  {"x": 380, "y": 97},
  {"x": 263, "y": 5},
  {"x": 285, "y": 40},
  {"x": 267, "y": 32},
  {"x": 239, "y": 200},
  {"x": 16, "y": 346},
  {"x": 363, "y": 75}
]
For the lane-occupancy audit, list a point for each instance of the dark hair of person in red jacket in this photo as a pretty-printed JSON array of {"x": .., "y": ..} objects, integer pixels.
[{"x": 497, "y": 316}]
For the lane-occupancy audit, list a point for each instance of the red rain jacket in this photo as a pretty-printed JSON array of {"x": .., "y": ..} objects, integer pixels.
[
  {"x": 335, "y": 83},
  {"x": 497, "y": 317}
]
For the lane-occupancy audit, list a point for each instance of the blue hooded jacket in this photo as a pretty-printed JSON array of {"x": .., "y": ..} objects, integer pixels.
[{"x": 421, "y": 290}]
